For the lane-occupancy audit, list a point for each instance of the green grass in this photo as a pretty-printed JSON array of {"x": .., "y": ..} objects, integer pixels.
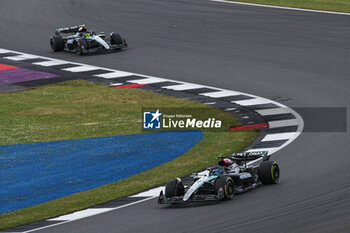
[
  {"x": 327, "y": 5},
  {"x": 79, "y": 109}
]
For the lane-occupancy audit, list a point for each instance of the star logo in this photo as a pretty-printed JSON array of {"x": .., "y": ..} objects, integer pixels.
[{"x": 156, "y": 115}]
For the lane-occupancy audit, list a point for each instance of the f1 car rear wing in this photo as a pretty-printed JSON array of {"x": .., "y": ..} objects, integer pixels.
[
  {"x": 251, "y": 155},
  {"x": 71, "y": 29}
]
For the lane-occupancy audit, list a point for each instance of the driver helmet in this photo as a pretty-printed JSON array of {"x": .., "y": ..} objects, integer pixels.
[
  {"x": 82, "y": 29},
  {"x": 225, "y": 162}
]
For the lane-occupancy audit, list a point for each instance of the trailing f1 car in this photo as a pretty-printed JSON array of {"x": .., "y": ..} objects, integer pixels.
[
  {"x": 222, "y": 181},
  {"x": 78, "y": 40}
]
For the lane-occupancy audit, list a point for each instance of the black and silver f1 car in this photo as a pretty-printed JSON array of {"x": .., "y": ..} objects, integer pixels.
[
  {"x": 78, "y": 40},
  {"x": 230, "y": 176}
]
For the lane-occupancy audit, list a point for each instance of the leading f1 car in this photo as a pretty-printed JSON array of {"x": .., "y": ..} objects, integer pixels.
[
  {"x": 230, "y": 176},
  {"x": 79, "y": 40}
]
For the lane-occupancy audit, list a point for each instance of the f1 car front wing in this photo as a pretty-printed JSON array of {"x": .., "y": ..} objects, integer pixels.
[{"x": 162, "y": 199}]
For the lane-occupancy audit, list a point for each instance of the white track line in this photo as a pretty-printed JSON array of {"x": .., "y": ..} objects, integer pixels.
[
  {"x": 278, "y": 136},
  {"x": 115, "y": 74},
  {"x": 21, "y": 57},
  {"x": 80, "y": 214},
  {"x": 82, "y": 68},
  {"x": 221, "y": 93},
  {"x": 109, "y": 209},
  {"x": 274, "y": 111},
  {"x": 53, "y": 62},
  {"x": 210, "y": 103},
  {"x": 4, "y": 51},
  {"x": 184, "y": 86},
  {"x": 150, "y": 193},
  {"x": 116, "y": 84},
  {"x": 282, "y": 123},
  {"x": 149, "y": 80},
  {"x": 26, "y": 56},
  {"x": 250, "y": 102},
  {"x": 282, "y": 7}
]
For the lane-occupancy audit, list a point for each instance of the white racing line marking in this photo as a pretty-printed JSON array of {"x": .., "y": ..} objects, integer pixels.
[
  {"x": 116, "y": 84},
  {"x": 150, "y": 193},
  {"x": 21, "y": 57},
  {"x": 81, "y": 216},
  {"x": 115, "y": 74},
  {"x": 218, "y": 93},
  {"x": 149, "y": 80},
  {"x": 222, "y": 93},
  {"x": 252, "y": 101},
  {"x": 282, "y": 7},
  {"x": 277, "y": 136},
  {"x": 275, "y": 111},
  {"x": 82, "y": 68},
  {"x": 51, "y": 63},
  {"x": 283, "y": 123},
  {"x": 183, "y": 87}
]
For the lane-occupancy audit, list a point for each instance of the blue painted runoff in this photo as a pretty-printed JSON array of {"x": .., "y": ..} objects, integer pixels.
[{"x": 35, "y": 173}]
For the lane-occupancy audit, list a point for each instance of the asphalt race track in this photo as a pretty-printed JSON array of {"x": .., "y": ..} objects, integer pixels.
[{"x": 300, "y": 59}]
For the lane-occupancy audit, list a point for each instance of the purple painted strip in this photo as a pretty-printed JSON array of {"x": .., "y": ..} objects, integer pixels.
[{"x": 22, "y": 75}]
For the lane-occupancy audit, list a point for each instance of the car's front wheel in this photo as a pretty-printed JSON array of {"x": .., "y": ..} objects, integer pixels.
[
  {"x": 81, "y": 46},
  {"x": 225, "y": 185},
  {"x": 174, "y": 188},
  {"x": 115, "y": 38}
]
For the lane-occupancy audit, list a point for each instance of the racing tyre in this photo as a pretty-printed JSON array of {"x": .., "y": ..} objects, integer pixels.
[
  {"x": 268, "y": 172},
  {"x": 227, "y": 185},
  {"x": 174, "y": 188},
  {"x": 56, "y": 43},
  {"x": 81, "y": 47},
  {"x": 115, "y": 38}
]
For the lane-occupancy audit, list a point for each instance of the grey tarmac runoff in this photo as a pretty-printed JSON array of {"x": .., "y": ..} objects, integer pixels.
[{"x": 299, "y": 59}]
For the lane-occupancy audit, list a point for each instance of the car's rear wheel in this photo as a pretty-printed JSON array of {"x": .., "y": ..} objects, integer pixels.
[
  {"x": 115, "y": 38},
  {"x": 174, "y": 188},
  {"x": 81, "y": 46},
  {"x": 56, "y": 43},
  {"x": 225, "y": 185},
  {"x": 268, "y": 172}
]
